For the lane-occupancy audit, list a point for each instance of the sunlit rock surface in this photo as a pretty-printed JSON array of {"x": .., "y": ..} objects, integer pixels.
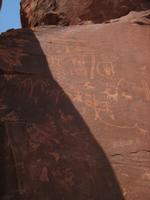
[{"x": 75, "y": 110}]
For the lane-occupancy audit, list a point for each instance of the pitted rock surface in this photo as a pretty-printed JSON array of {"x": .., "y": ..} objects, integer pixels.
[{"x": 68, "y": 12}]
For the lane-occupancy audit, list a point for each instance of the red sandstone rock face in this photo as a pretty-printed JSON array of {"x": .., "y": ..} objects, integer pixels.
[
  {"x": 75, "y": 110},
  {"x": 66, "y": 12}
]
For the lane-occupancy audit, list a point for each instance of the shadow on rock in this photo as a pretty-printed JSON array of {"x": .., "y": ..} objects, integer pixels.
[{"x": 53, "y": 153}]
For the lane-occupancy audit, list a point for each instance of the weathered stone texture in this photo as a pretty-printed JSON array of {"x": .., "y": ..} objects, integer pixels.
[
  {"x": 68, "y": 12},
  {"x": 75, "y": 110}
]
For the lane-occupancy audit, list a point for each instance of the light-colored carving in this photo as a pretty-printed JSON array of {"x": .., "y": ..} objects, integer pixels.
[
  {"x": 135, "y": 126},
  {"x": 119, "y": 83},
  {"x": 109, "y": 69},
  {"x": 93, "y": 67},
  {"x": 122, "y": 144},
  {"x": 110, "y": 95},
  {"x": 89, "y": 100},
  {"x": 9, "y": 77},
  {"x": 115, "y": 125},
  {"x": 101, "y": 68},
  {"x": 10, "y": 117},
  {"x": 97, "y": 109},
  {"x": 77, "y": 96},
  {"x": 113, "y": 94},
  {"x": 141, "y": 130},
  {"x": 78, "y": 66},
  {"x": 126, "y": 96},
  {"x": 55, "y": 60},
  {"x": 102, "y": 107},
  {"x": 88, "y": 86}
]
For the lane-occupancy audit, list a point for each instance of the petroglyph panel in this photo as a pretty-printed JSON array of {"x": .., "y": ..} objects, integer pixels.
[
  {"x": 109, "y": 86},
  {"x": 89, "y": 73},
  {"x": 104, "y": 80},
  {"x": 75, "y": 111}
]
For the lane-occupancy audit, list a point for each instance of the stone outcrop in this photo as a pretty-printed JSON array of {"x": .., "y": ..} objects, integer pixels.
[
  {"x": 75, "y": 110},
  {"x": 66, "y": 12}
]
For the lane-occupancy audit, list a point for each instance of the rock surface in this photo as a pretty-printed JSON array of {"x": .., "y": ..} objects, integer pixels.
[
  {"x": 67, "y": 12},
  {"x": 0, "y": 3},
  {"x": 75, "y": 110}
]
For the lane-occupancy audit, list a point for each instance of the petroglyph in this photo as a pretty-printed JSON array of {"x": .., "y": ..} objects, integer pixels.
[
  {"x": 78, "y": 61},
  {"x": 30, "y": 85},
  {"x": 56, "y": 60},
  {"x": 135, "y": 126},
  {"x": 88, "y": 86},
  {"x": 101, "y": 68},
  {"x": 127, "y": 96},
  {"x": 94, "y": 67},
  {"x": 44, "y": 175},
  {"x": 88, "y": 66},
  {"x": 102, "y": 107},
  {"x": 116, "y": 125},
  {"x": 141, "y": 130},
  {"x": 9, "y": 77},
  {"x": 122, "y": 144},
  {"x": 77, "y": 96},
  {"x": 110, "y": 95},
  {"x": 99, "y": 106},
  {"x": 79, "y": 67},
  {"x": 55, "y": 156},
  {"x": 96, "y": 109},
  {"x": 10, "y": 117},
  {"x": 91, "y": 102},
  {"x": 109, "y": 69}
]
